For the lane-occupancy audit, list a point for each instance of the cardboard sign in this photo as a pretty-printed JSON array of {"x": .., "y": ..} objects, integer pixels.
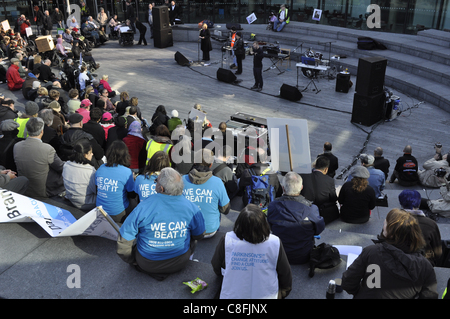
[{"x": 291, "y": 150}]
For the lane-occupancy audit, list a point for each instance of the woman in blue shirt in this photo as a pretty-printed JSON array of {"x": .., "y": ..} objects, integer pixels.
[
  {"x": 144, "y": 185},
  {"x": 114, "y": 180}
]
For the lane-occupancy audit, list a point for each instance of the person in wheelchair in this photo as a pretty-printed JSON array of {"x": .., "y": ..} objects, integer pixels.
[
  {"x": 88, "y": 30},
  {"x": 60, "y": 47},
  {"x": 126, "y": 38},
  {"x": 97, "y": 27},
  {"x": 113, "y": 28},
  {"x": 86, "y": 56}
]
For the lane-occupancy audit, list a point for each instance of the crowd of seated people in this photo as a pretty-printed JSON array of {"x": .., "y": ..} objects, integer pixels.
[
  {"x": 22, "y": 63},
  {"x": 121, "y": 171},
  {"x": 98, "y": 151}
]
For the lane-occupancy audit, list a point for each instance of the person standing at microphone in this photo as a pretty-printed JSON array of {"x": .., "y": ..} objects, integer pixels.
[
  {"x": 239, "y": 51},
  {"x": 258, "y": 56},
  {"x": 205, "y": 44}
]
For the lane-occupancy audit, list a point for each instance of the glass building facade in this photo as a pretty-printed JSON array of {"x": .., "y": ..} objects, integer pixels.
[{"x": 398, "y": 16}]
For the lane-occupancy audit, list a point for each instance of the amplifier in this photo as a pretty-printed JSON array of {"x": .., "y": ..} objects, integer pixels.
[{"x": 249, "y": 119}]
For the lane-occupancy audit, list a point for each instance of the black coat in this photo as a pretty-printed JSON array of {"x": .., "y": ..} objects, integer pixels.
[
  {"x": 48, "y": 23},
  {"x": 40, "y": 16},
  {"x": 131, "y": 15},
  {"x": 158, "y": 119},
  {"x": 96, "y": 130},
  {"x": 46, "y": 73},
  {"x": 320, "y": 189},
  {"x": 401, "y": 275},
  {"x": 334, "y": 163},
  {"x": 72, "y": 136},
  {"x": 239, "y": 47},
  {"x": 206, "y": 42},
  {"x": 356, "y": 206},
  {"x": 382, "y": 164},
  {"x": 142, "y": 28}
]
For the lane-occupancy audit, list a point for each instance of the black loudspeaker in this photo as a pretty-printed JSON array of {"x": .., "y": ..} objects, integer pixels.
[
  {"x": 368, "y": 110},
  {"x": 237, "y": 26},
  {"x": 162, "y": 38},
  {"x": 181, "y": 59},
  {"x": 290, "y": 93},
  {"x": 370, "y": 77},
  {"x": 225, "y": 75},
  {"x": 160, "y": 18},
  {"x": 343, "y": 82}
]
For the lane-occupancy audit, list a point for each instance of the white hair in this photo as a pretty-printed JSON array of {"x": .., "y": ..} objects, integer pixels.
[
  {"x": 292, "y": 184},
  {"x": 171, "y": 181}
]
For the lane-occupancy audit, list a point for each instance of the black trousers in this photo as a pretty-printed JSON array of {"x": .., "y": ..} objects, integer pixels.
[
  {"x": 239, "y": 63},
  {"x": 257, "y": 73},
  {"x": 205, "y": 55},
  {"x": 142, "y": 38}
]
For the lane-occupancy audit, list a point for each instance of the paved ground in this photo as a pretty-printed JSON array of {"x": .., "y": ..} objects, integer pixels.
[{"x": 33, "y": 265}]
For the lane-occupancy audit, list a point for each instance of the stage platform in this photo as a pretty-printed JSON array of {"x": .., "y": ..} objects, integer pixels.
[{"x": 34, "y": 265}]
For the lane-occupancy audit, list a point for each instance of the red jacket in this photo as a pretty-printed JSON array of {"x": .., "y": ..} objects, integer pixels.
[
  {"x": 106, "y": 85},
  {"x": 23, "y": 26},
  {"x": 136, "y": 148},
  {"x": 15, "y": 82}
]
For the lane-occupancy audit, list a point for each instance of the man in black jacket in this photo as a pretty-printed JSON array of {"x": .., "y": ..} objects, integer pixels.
[
  {"x": 58, "y": 18},
  {"x": 239, "y": 51},
  {"x": 48, "y": 24},
  {"x": 406, "y": 169},
  {"x": 320, "y": 189},
  {"x": 334, "y": 162},
  {"x": 142, "y": 30},
  {"x": 73, "y": 135},
  {"x": 380, "y": 162},
  {"x": 94, "y": 128},
  {"x": 257, "y": 66},
  {"x": 131, "y": 15},
  {"x": 7, "y": 110}
]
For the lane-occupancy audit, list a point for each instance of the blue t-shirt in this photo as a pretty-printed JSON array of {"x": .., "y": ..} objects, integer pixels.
[
  {"x": 113, "y": 183},
  {"x": 144, "y": 186},
  {"x": 163, "y": 226},
  {"x": 208, "y": 197}
]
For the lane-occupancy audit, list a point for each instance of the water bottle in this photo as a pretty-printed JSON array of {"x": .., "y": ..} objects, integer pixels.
[{"x": 331, "y": 290}]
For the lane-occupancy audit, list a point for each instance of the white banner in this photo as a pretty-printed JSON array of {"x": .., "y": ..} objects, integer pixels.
[{"x": 57, "y": 222}]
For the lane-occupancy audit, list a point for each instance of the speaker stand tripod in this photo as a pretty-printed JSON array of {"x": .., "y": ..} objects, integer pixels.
[{"x": 314, "y": 83}]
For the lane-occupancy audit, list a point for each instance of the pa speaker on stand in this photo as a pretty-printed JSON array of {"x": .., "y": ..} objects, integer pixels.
[
  {"x": 370, "y": 75},
  {"x": 162, "y": 38},
  {"x": 162, "y": 32}
]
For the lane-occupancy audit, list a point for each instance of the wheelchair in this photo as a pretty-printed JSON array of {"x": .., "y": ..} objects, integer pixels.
[{"x": 126, "y": 38}]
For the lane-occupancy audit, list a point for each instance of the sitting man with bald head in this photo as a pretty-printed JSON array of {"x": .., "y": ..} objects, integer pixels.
[{"x": 406, "y": 169}]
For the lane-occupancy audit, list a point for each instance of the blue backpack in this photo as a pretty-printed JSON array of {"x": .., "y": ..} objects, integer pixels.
[{"x": 260, "y": 192}]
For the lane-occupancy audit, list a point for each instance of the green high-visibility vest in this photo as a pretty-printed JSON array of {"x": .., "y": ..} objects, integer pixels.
[
  {"x": 286, "y": 16},
  {"x": 153, "y": 147},
  {"x": 22, "y": 127}
]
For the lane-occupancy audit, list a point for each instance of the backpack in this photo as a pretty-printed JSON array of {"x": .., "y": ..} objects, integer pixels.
[
  {"x": 260, "y": 192},
  {"x": 323, "y": 256}
]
